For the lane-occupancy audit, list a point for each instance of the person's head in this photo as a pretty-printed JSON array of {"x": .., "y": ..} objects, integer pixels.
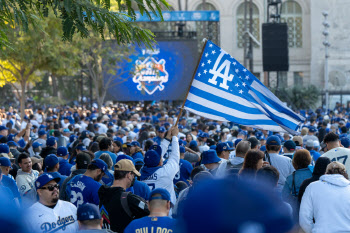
[
  {"x": 345, "y": 142},
  {"x": 336, "y": 168},
  {"x": 182, "y": 152},
  {"x": 301, "y": 159},
  {"x": 106, "y": 144},
  {"x": 269, "y": 175},
  {"x": 135, "y": 146},
  {"x": 42, "y": 134},
  {"x": 47, "y": 189},
  {"x": 223, "y": 150},
  {"x": 289, "y": 146},
  {"x": 153, "y": 157},
  {"x": 97, "y": 169},
  {"x": 195, "y": 171},
  {"x": 125, "y": 172},
  {"x": 253, "y": 160},
  {"x": 159, "y": 202},
  {"x": 273, "y": 144},
  {"x": 321, "y": 166},
  {"x": 51, "y": 163},
  {"x": 62, "y": 152},
  {"x": 4, "y": 149},
  {"x": 107, "y": 159},
  {"x": 309, "y": 145},
  {"x": 36, "y": 146},
  {"x": 210, "y": 159},
  {"x": 89, "y": 218},
  {"x": 3, "y": 131},
  {"x": 242, "y": 148},
  {"x": 5, "y": 165},
  {"x": 161, "y": 132},
  {"x": 254, "y": 143},
  {"x": 51, "y": 142},
  {"x": 24, "y": 162},
  {"x": 189, "y": 137},
  {"x": 82, "y": 160},
  {"x": 332, "y": 140},
  {"x": 298, "y": 141}
]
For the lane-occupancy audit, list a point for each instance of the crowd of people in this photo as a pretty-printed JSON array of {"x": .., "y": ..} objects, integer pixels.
[{"x": 144, "y": 169}]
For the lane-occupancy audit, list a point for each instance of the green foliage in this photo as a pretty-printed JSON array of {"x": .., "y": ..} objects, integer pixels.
[
  {"x": 299, "y": 97},
  {"x": 78, "y": 16}
]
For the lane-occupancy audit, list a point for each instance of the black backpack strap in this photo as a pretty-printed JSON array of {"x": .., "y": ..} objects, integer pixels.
[
  {"x": 125, "y": 205},
  {"x": 294, "y": 190},
  {"x": 267, "y": 156}
]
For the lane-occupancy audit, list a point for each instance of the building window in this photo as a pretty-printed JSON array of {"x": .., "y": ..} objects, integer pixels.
[
  {"x": 283, "y": 79},
  {"x": 206, "y": 7},
  {"x": 241, "y": 26},
  {"x": 298, "y": 78},
  {"x": 292, "y": 15}
]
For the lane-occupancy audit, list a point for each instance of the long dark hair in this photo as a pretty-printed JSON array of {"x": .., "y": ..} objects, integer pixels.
[{"x": 251, "y": 160}]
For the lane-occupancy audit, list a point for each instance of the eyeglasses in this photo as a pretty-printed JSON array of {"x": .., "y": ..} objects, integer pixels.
[{"x": 52, "y": 187}]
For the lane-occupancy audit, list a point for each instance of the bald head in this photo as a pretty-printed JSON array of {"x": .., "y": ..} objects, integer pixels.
[{"x": 242, "y": 148}]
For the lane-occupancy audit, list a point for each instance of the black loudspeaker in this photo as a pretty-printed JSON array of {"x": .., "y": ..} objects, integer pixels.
[{"x": 275, "y": 46}]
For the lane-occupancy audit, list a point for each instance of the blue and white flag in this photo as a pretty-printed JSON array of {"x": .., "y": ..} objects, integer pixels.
[{"x": 224, "y": 90}]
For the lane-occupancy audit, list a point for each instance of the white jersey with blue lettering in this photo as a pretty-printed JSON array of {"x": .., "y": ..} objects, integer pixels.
[
  {"x": 62, "y": 218},
  {"x": 164, "y": 176},
  {"x": 341, "y": 155}
]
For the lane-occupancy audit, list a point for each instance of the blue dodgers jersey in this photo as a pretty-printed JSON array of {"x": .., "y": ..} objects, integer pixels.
[
  {"x": 83, "y": 189},
  {"x": 184, "y": 172},
  {"x": 151, "y": 225}
]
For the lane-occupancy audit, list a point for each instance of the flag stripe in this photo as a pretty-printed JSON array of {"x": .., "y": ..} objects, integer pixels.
[
  {"x": 274, "y": 128},
  {"x": 253, "y": 107},
  {"x": 224, "y": 109},
  {"x": 229, "y": 117}
]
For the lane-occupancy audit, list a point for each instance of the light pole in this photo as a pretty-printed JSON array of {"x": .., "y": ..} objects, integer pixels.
[{"x": 326, "y": 45}]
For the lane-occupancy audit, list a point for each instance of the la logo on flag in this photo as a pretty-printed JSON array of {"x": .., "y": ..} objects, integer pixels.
[{"x": 224, "y": 90}]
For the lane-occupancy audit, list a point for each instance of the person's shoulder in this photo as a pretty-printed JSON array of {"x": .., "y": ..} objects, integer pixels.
[
  {"x": 8, "y": 180},
  {"x": 66, "y": 204}
]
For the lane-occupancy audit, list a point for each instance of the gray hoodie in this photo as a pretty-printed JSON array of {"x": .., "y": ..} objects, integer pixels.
[{"x": 25, "y": 183}]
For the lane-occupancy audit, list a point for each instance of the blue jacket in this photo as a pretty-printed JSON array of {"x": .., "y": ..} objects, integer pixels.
[
  {"x": 315, "y": 155},
  {"x": 11, "y": 184},
  {"x": 65, "y": 167},
  {"x": 141, "y": 189}
]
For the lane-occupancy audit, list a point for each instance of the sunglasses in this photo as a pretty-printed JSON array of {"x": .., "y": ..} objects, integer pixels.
[{"x": 52, "y": 187}]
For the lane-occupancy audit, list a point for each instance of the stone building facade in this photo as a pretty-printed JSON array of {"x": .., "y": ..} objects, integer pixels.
[{"x": 306, "y": 51}]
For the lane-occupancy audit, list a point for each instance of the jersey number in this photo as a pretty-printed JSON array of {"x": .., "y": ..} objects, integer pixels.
[
  {"x": 151, "y": 186},
  {"x": 76, "y": 198},
  {"x": 343, "y": 158}
]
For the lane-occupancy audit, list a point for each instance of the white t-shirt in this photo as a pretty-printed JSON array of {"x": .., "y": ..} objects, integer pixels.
[
  {"x": 340, "y": 154},
  {"x": 62, "y": 218}
]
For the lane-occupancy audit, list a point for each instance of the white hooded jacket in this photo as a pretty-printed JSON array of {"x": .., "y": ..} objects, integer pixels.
[{"x": 328, "y": 202}]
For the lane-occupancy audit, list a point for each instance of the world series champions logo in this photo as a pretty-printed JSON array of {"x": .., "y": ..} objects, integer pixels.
[{"x": 150, "y": 75}]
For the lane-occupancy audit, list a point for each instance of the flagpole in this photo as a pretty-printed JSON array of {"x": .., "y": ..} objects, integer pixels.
[{"x": 194, "y": 73}]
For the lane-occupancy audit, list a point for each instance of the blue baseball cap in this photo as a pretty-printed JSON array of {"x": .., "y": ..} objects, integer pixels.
[
  {"x": 230, "y": 144},
  {"x": 72, "y": 138},
  {"x": 182, "y": 142},
  {"x": 66, "y": 131},
  {"x": 212, "y": 147},
  {"x": 5, "y": 162},
  {"x": 182, "y": 149},
  {"x": 210, "y": 156},
  {"x": 345, "y": 142},
  {"x": 12, "y": 143},
  {"x": 193, "y": 143},
  {"x": 237, "y": 141},
  {"x": 3, "y": 128},
  {"x": 123, "y": 156},
  {"x": 10, "y": 137},
  {"x": 44, "y": 179},
  {"x": 139, "y": 161},
  {"x": 4, "y": 148},
  {"x": 51, "y": 141},
  {"x": 100, "y": 164},
  {"x": 36, "y": 144},
  {"x": 312, "y": 129},
  {"x": 88, "y": 211},
  {"x": 273, "y": 141},
  {"x": 205, "y": 135},
  {"x": 161, "y": 129},
  {"x": 21, "y": 143},
  {"x": 119, "y": 139},
  {"x": 50, "y": 161},
  {"x": 42, "y": 132},
  {"x": 166, "y": 124},
  {"x": 156, "y": 148},
  {"x": 152, "y": 158},
  {"x": 62, "y": 151},
  {"x": 164, "y": 195},
  {"x": 42, "y": 126},
  {"x": 135, "y": 143},
  {"x": 228, "y": 208},
  {"x": 223, "y": 146},
  {"x": 81, "y": 147}
]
